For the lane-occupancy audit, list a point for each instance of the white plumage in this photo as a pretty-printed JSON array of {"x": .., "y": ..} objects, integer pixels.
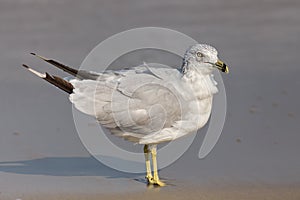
[{"x": 147, "y": 104}]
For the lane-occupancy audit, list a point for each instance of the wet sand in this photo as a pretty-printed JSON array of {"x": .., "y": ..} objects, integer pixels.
[
  {"x": 189, "y": 192},
  {"x": 257, "y": 156}
]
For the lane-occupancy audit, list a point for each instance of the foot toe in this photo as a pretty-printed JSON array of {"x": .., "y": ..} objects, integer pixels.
[
  {"x": 159, "y": 183},
  {"x": 150, "y": 179}
]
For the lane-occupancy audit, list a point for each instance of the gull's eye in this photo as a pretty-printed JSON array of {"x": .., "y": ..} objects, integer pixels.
[{"x": 199, "y": 54}]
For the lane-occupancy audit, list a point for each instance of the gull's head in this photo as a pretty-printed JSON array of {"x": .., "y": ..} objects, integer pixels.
[{"x": 204, "y": 58}]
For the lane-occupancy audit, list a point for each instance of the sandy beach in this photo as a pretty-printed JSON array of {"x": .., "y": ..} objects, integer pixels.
[
  {"x": 257, "y": 156},
  {"x": 190, "y": 192}
]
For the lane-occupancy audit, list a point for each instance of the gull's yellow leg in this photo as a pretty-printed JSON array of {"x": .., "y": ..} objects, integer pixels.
[
  {"x": 156, "y": 180},
  {"x": 149, "y": 176}
]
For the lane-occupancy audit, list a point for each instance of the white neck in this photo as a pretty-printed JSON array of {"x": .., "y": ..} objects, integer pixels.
[{"x": 200, "y": 80}]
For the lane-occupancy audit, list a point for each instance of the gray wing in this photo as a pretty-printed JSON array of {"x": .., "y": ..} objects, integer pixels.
[{"x": 134, "y": 101}]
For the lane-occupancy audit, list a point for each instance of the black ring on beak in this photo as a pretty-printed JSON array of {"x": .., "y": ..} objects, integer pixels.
[{"x": 222, "y": 66}]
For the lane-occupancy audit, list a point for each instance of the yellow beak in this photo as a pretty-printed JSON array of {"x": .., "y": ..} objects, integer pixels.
[{"x": 222, "y": 66}]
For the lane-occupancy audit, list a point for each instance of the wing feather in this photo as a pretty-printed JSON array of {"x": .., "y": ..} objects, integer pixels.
[{"x": 135, "y": 102}]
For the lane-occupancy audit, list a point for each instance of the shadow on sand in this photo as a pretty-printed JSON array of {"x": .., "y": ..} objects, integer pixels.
[{"x": 64, "y": 166}]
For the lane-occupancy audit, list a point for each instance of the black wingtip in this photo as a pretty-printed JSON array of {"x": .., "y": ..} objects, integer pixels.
[
  {"x": 40, "y": 57},
  {"x": 25, "y": 66}
]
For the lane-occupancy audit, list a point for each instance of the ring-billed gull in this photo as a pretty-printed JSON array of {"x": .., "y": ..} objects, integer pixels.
[{"x": 146, "y": 105}]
